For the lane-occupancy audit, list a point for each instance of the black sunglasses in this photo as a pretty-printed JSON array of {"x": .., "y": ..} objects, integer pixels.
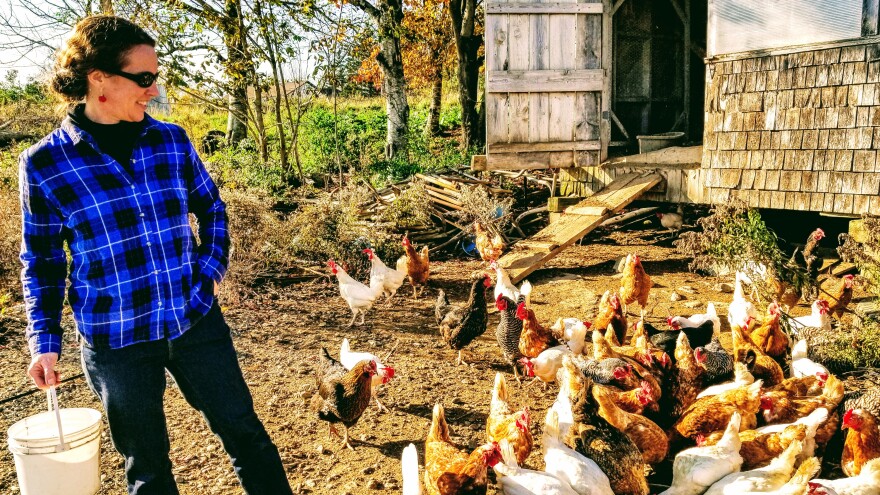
[{"x": 142, "y": 79}]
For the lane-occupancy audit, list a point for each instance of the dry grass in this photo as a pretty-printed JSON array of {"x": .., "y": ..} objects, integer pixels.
[{"x": 866, "y": 256}]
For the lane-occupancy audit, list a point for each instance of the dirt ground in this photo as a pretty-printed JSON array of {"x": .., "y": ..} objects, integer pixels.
[{"x": 279, "y": 333}]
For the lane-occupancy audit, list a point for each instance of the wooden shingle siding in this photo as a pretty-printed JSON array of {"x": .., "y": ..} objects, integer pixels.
[{"x": 796, "y": 130}]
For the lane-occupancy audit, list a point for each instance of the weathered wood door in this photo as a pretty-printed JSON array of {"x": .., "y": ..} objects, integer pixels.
[{"x": 547, "y": 83}]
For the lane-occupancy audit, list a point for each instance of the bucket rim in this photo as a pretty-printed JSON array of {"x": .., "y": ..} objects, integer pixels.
[{"x": 16, "y": 431}]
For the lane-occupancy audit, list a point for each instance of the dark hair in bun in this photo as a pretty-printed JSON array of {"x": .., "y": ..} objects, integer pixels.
[{"x": 97, "y": 42}]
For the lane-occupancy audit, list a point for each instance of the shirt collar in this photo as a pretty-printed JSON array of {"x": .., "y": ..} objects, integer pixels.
[{"x": 77, "y": 134}]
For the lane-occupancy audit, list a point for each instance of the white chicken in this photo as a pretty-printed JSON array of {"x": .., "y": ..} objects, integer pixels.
[
  {"x": 866, "y": 483},
  {"x": 383, "y": 375},
  {"x": 389, "y": 278},
  {"x": 562, "y": 405},
  {"x": 764, "y": 479},
  {"x": 409, "y": 467},
  {"x": 515, "y": 480},
  {"x": 503, "y": 285},
  {"x": 797, "y": 485},
  {"x": 360, "y": 297},
  {"x": 820, "y": 317},
  {"x": 579, "y": 471},
  {"x": 545, "y": 366},
  {"x": 696, "y": 469},
  {"x": 741, "y": 378},
  {"x": 801, "y": 364},
  {"x": 697, "y": 320},
  {"x": 740, "y": 309},
  {"x": 573, "y": 331},
  {"x": 671, "y": 221}
]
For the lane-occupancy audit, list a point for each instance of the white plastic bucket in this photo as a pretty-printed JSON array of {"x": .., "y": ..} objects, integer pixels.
[{"x": 58, "y": 452}]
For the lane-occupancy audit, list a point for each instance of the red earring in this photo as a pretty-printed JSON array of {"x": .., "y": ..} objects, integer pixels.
[{"x": 102, "y": 98}]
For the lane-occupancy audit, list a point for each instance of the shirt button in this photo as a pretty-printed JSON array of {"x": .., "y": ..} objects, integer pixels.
[
  {"x": 141, "y": 214},
  {"x": 133, "y": 160},
  {"x": 132, "y": 187},
  {"x": 159, "y": 303},
  {"x": 149, "y": 243}
]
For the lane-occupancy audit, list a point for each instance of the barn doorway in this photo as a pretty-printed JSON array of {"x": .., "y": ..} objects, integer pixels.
[{"x": 658, "y": 72}]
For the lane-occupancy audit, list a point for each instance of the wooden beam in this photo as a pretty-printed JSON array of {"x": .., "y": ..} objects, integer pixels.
[
  {"x": 547, "y": 146},
  {"x": 519, "y": 161},
  {"x": 673, "y": 158},
  {"x": 544, "y": 8},
  {"x": 478, "y": 162},
  {"x": 545, "y": 81}
]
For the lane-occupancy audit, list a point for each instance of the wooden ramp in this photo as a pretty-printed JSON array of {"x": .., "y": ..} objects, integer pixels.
[{"x": 530, "y": 254}]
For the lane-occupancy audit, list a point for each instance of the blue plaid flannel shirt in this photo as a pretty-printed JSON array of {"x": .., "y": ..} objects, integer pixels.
[{"x": 136, "y": 272}]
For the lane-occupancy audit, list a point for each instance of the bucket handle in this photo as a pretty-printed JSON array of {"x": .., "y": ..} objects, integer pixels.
[{"x": 52, "y": 400}]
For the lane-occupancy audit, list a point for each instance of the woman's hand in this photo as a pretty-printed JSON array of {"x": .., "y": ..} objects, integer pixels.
[
  {"x": 216, "y": 288},
  {"x": 42, "y": 370}
]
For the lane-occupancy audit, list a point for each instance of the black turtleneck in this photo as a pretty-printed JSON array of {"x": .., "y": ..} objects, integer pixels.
[{"x": 116, "y": 140}]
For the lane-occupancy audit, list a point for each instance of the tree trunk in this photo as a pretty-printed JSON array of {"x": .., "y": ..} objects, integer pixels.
[
  {"x": 432, "y": 126},
  {"x": 238, "y": 68},
  {"x": 467, "y": 44},
  {"x": 388, "y": 15}
]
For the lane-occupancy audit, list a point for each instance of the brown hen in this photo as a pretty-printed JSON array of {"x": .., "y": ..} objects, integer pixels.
[{"x": 450, "y": 471}]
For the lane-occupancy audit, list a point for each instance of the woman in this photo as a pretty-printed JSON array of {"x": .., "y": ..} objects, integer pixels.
[{"x": 117, "y": 185}]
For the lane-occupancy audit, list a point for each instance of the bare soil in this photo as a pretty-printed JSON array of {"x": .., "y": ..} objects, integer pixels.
[{"x": 279, "y": 333}]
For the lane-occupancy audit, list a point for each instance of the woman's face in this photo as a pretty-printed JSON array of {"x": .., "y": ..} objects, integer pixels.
[{"x": 126, "y": 101}]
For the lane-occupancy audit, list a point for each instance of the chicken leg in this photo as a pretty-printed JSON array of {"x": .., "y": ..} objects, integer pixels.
[
  {"x": 460, "y": 360},
  {"x": 354, "y": 315},
  {"x": 381, "y": 407},
  {"x": 335, "y": 432}
]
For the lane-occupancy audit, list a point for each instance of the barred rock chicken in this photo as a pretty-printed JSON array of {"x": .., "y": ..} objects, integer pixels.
[
  {"x": 764, "y": 479},
  {"x": 610, "y": 371},
  {"x": 715, "y": 359},
  {"x": 837, "y": 292},
  {"x": 580, "y": 472},
  {"x": 644, "y": 433},
  {"x": 710, "y": 414},
  {"x": 490, "y": 249},
  {"x": 342, "y": 395},
  {"x": 384, "y": 374},
  {"x": 417, "y": 265},
  {"x": 509, "y": 329},
  {"x": 695, "y": 469},
  {"x": 534, "y": 338},
  {"x": 611, "y": 312},
  {"x": 595, "y": 438},
  {"x": 862, "y": 441},
  {"x": 636, "y": 284},
  {"x": 449, "y": 471},
  {"x": 761, "y": 365},
  {"x": 866, "y": 483},
  {"x": 359, "y": 297},
  {"x": 769, "y": 336},
  {"x": 461, "y": 324},
  {"x": 864, "y": 398},
  {"x": 503, "y": 423},
  {"x": 389, "y": 278}
]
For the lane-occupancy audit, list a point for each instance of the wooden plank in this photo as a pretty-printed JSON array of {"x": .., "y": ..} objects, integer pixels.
[
  {"x": 544, "y": 8},
  {"x": 546, "y": 146},
  {"x": 557, "y": 204},
  {"x": 556, "y": 80},
  {"x": 595, "y": 211},
  {"x": 497, "y": 59},
  {"x": 528, "y": 255},
  {"x": 517, "y": 161},
  {"x": 675, "y": 158},
  {"x": 478, "y": 162}
]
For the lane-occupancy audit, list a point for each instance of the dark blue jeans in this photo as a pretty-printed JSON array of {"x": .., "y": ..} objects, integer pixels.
[{"x": 130, "y": 382}]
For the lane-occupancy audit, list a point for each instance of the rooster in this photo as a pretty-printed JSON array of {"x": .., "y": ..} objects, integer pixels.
[
  {"x": 389, "y": 278},
  {"x": 636, "y": 284},
  {"x": 837, "y": 292},
  {"x": 490, "y": 249},
  {"x": 342, "y": 395},
  {"x": 384, "y": 374},
  {"x": 862, "y": 441},
  {"x": 502, "y": 423},
  {"x": 460, "y": 325},
  {"x": 359, "y": 297},
  {"x": 416, "y": 265},
  {"x": 449, "y": 471}
]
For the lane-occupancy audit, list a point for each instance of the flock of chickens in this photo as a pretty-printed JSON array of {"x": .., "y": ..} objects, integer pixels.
[{"x": 732, "y": 423}]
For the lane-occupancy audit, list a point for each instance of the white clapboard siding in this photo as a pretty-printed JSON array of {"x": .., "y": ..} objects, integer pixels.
[{"x": 547, "y": 83}]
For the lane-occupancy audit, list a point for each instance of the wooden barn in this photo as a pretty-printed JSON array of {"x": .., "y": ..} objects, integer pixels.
[
  {"x": 777, "y": 103},
  {"x": 782, "y": 97}
]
